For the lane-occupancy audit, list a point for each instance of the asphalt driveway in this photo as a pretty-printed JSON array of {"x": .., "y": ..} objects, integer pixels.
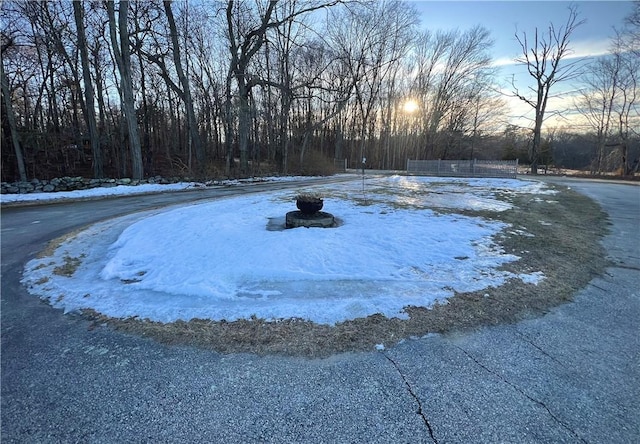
[{"x": 572, "y": 375}]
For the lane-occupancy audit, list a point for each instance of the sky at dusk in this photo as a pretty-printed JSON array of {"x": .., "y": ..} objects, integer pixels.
[{"x": 504, "y": 18}]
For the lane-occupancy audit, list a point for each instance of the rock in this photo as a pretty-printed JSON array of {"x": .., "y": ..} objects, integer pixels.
[
  {"x": 68, "y": 183},
  {"x": 25, "y": 187},
  {"x": 73, "y": 183}
]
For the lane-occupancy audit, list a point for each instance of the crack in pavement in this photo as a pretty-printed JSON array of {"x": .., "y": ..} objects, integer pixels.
[
  {"x": 414, "y": 396},
  {"x": 596, "y": 286},
  {"x": 627, "y": 267},
  {"x": 519, "y": 390},
  {"x": 528, "y": 340}
]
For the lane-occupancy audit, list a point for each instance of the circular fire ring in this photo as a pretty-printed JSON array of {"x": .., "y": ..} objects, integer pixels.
[{"x": 319, "y": 219}]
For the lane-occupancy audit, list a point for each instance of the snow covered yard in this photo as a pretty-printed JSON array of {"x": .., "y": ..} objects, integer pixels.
[{"x": 402, "y": 242}]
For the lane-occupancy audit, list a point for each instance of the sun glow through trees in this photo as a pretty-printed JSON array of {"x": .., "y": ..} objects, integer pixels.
[{"x": 410, "y": 106}]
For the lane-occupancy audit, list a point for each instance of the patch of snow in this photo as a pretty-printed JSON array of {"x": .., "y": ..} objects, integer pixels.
[
  {"x": 126, "y": 190},
  {"x": 218, "y": 260},
  {"x": 532, "y": 278},
  {"x": 120, "y": 190}
]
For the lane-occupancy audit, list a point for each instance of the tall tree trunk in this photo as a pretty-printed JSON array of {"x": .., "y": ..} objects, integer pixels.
[
  {"x": 53, "y": 103},
  {"x": 192, "y": 123},
  {"x": 122, "y": 54},
  {"x": 244, "y": 124},
  {"x": 543, "y": 60},
  {"x": 12, "y": 124},
  {"x": 284, "y": 133},
  {"x": 228, "y": 127},
  {"x": 90, "y": 113},
  {"x": 102, "y": 119},
  {"x": 146, "y": 136}
]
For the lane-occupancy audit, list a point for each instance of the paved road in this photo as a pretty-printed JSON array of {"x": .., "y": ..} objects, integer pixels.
[{"x": 570, "y": 376}]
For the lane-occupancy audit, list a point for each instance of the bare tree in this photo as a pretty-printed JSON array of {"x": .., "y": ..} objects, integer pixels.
[
  {"x": 246, "y": 33},
  {"x": 370, "y": 39},
  {"x": 633, "y": 29},
  {"x": 626, "y": 107},
  {"x": 8, "y": 106},
  {"x": 466, "y": 58},
  {"x": 119, "y": 34},
  {"x": 485, "y": 113},
  {"x": 276, "y": 80},
  {"x": 596, "y": 102},
  {"x": 90, "y": 112},
  {"x": 453, "y": 70},
  {"x": 207, "y": 76},
  {"x": 544, "y": 59},
  {"x": 609, "y": 101},
  {"x": 185, "y": 90},
  {"x": 157, "y": 55},
  {"x": 629, "y": 43}
]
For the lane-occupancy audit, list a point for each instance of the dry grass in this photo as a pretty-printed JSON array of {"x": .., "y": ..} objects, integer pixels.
[
  {"x": 69, "y": 267},
  {"x": 565, "y": 247},
  {"x": 56, "y": 243}
]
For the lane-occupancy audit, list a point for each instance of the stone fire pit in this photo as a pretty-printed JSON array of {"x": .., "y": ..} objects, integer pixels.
[{"x": 309, "y": 214}]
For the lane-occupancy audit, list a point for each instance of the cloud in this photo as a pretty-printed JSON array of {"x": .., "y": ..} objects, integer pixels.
[
  {"x": 504, "y": 61},
  {"x": 579, "y": 50},
  {"x": 590, "y": 48}
]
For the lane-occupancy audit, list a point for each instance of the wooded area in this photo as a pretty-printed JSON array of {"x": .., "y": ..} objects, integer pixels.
[{"x": 238, "y": 88}]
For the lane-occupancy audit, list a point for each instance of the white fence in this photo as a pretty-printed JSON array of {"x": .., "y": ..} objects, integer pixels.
[{"x": 464, "y": 168}]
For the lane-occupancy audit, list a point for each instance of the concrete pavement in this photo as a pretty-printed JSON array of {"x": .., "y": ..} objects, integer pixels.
[{"x": 572, "y": 375}]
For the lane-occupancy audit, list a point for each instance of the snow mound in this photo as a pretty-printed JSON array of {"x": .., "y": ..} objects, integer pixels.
[{"x": 218, "y": 260}]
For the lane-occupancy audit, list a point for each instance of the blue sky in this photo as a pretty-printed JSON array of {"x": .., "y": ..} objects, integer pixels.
[{"x": 503, "y": 18}]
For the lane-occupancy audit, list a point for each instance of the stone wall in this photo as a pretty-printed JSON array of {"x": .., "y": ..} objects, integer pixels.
[{"x": 76, "y": 183}]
